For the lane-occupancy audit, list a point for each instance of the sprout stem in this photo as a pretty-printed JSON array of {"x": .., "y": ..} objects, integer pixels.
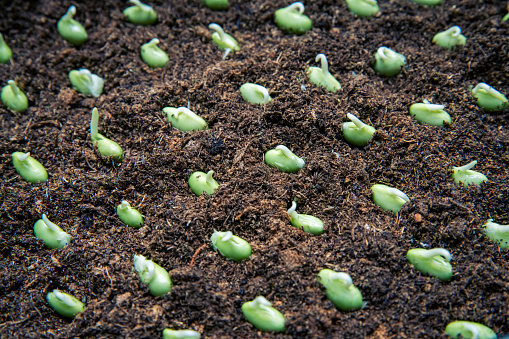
[
  {"x": 488, "y": 89},
  {"x": 94, "y": 123},
  {"x": 473, "y": 329},
  {"x": 23, "y": 157},
  {"x": 296, "y": 6},
  {"x": 324, "y": 63},
  {"x": 227, "y": 236},
  {"x": 64, "y": 298},
  {"x": 182, "y": 110},
  {"x": 124, "y": 204},
  {"x": 1, "y": 39},
  {"x": 218, "y": 29},
  {"x": 342, "y": 276},
  {"x": 50, "y": 225},
  {"x": 261, "y": 301},
  {"x": 437, "y": 251},
  {"x": 226, "y": 52},
  {"x": 153, "y": 42},
  {"x": 381, "y": 52},
  {"x": 398, "y": 193},
  {"x": 71, "y": 12},
  {"x": 140, "y": 5},
  {"x": 356, "y": 121},
  {"x": 209, "y": 178},
  {"x": 263, "y": 91},
  {"x": 467, "y": 166},
  {"x": 13, "y": 86},
  {"x": 454, "y": 31}
]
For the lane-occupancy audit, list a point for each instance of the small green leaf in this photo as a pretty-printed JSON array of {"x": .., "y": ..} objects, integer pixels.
[
  {"x": 469, "y": 329},
  {"x": 263, "y": 316},
  {"x": 387, "y": 62},
  {"x": 30, "y": 169},
  {"x": 70, "y": 29},
  {"x": 5, "y": 51},
  {"x": 129, "y": 216},
  {"x": 65, "y": 304},
  {"x": 180, "y": 334},
  {"x": 430, "y": 114},
  {"x": 356, "y": 132},
  {"x": 140, "y": 13},
  {"x": 284, "y": 159},
  {"x": 153, "y": 55},
  {"x": 230, "y": 246},
  {"x": 292, "y": 19},
  {"x": 489, "y": 98},
  {"x": 434, "y": 262},
  {"x": 13, "y": 97},
  {"x": 52, "y": 235},
  {"x": 86, "y": 83},
  {"x": 321, "y": 76},
  {"x": 308, "y": 223},
  {"x": 340, "y": 290},
  {"x": 255, "y": 94},
  {"x": 465, "y": 175},
  {"x": 184, "y": 119},
  {"x": 450, "y": 38},
  {"x": 106, "y": 147},
  {"x": 199, "y": 182},
  {"x": 363, "y": 8},
  {"x": 388, "y": 198},
  {"x": 157, "y": 278}
]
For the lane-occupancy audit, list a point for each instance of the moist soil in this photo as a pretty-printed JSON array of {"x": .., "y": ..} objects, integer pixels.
[{"x": 360, "y": 238}]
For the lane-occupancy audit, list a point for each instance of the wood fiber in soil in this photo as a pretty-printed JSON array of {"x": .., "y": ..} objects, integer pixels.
[{"x": 360, "y": 238}]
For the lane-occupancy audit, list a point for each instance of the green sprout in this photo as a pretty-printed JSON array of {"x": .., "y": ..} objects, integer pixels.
[
  {"x": 434, "y": 262},
  {"x": 13, "y": 97},
  {"x": 308, "y": 223},
  {"x": 450, "y": 38},
  {"x": 106, "y": 147},
  {"x": 217, "y": 5},
  {"x": 153, "y": 55},
  {"x": 52, "y": 235},
  {"x": 430, "y": 114},
  {"x": 321, "y": 76},
  {"x": 180, "y": 334},
  {"x": 255, "y": 94},
  {"x": 70, "y": 29},
  {"x": 506, "y": 17},
  {"x": 356, "y": 132},
  {"x": 230, "y": 246},
  {"x": 30, "y": 169},
  {"x": 263, "y": 316},
  {"x": 389, "y": 198},
  {"x": 469, "y": 329},
  {"x": 86, "y": 83},
  {"x": 5, "y": 51},
  {"x": 428, "y": 2},
  {"x": 489, "y": 98},
  {"x": 363, "y": 8},
  {"x": 184, "y": 119},
  {"x": 340, "y": 290},
  {"x": 140, "y": 13},
  {"x": 200, "y": 183},
  {"x": 65, "y": 304},
  {"x": 292, "y": 19},
  {"x": 284, "y": 160},
  {"x": 157, "y": 278},
  {"x": 387, "y": 62},
  {"x": 497, "y": 233},
  {"x": 129, "y": 216},
  {"x": 223, "y": 40},
  {"x": 465, "y": 175}
]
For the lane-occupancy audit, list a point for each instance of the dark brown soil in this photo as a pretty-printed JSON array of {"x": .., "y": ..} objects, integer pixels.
[{"x": 360, "y": 238}]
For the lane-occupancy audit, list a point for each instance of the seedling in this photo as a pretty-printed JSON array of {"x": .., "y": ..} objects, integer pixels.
[
  {"x": 292, "y": 19},
  {"x": 340, "y": 290},
  {"x": 30, "y": 169},
  {"x": 489, "y": 98},
  {"x": 428, "y": 2},
  {"x": 223, "y": 40},
  {"x": 128, "y": 215},
  {"x": 450, "y": 38},
  {"x": 86, "y": 83},
  {"x": 255, "y": 94},
  {"x": 52, "y": 235},
  {"x": 65, "y": 304},
  {"x": 468, "y": 177},
  {"x": 5, "y": 51},
  {"x": 434, "y": 262},
  {"x": 430, "y": 114},
  {"x": 308, "y": 223},
  {"x": 230, "y": 246},
  {"x": 263, "y": 316},
  {"x": 497, "y": 233},
  {"x": 13, "y": 97},
  {"x": 106, "y": 147},
  {"x": 469, "y": 329},
  {"x": 180, "y": 334},
  {"x": 356, "y": 132},
  {"x": 153, "y": 55},
  {"x": 157, "y": 278},
  {"x": 387, "y": 62},
  {"x": 70, "y": 29},
  {"x": 363, "y": 8},
  {"x": 217, "y": 5},
  {"x": 284, "y": 160},
  {"x": 184, "y": 119},
  {"x": 200, "y": 183},
  {"x": 389, "y": 198},
  {"x": 140, "y": 13},
  {"x": 321, "y": 76}
]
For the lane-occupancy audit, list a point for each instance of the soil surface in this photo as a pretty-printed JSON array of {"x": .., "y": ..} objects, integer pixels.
[{"x": 360, "y": 238}]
